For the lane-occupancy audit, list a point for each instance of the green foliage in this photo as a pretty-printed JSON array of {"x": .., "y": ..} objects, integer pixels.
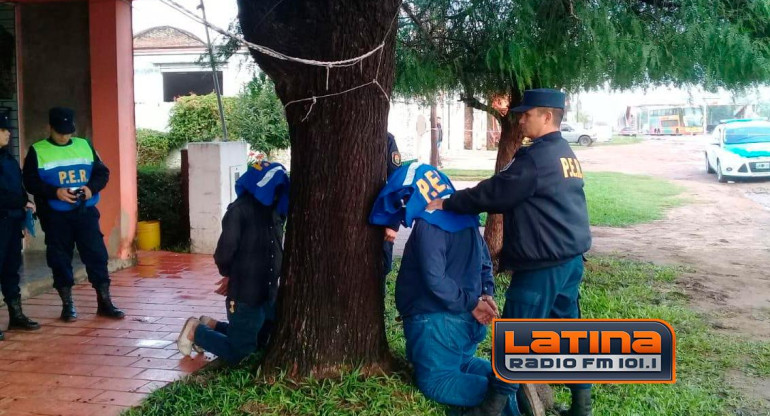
[
  {"x": 152, "y": 147},
  {"x": 613, "y": 289},
  {"x": 161, "y": 197},
  {"x": 195, "y": 118},
  {"x": 255, "y": 116},
  {"x": 258, "y": 117},
  {"x": 488, "y": 47}
]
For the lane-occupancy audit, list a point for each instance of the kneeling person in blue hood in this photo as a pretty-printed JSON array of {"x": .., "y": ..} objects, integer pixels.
[
  {"x": 444, "y": 288},
  {"x": 248, "y": 256}
]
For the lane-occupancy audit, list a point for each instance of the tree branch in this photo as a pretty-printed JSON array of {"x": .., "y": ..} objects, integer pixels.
[
  {"x": 413, "y": 17},
  {"x": 473, "y": 102}
]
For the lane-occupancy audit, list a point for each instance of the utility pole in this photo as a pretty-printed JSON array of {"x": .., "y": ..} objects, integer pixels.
[{"x": 217, "y": 88}]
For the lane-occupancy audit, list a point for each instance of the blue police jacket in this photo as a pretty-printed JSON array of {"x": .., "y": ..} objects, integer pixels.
[
  {"x": 540, "y": 194},
  {"x": 443, "y": 271},
  {"x": 13, "y": 197}
]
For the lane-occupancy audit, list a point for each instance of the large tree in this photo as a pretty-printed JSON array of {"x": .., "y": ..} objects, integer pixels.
[
  {"x": 483, "y": 49},
  {"x": 330, "y": 306}
]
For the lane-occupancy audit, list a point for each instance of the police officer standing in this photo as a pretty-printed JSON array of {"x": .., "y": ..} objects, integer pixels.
[
  {"x": 391, "y": 231},
  {"x": 13, "y": 201},
  {"x": 65, "y": 175},
  {"x": 545, "y": 227}
]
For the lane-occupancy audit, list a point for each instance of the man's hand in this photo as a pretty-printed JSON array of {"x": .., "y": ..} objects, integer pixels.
[
  {"x": 491, "y": 302},
  {"x": 31, "y": 205},
  {"x": 88, "y": 192},
  {"x": 435, "y": 204},
  {"x": 222, "y": 289},
  {"x": 64, "y": 194},
  {"x": 390, "y": 235},
  {"x": 483, "y": 313}
]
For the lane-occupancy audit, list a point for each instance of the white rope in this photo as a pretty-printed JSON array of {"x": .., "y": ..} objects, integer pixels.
[
  {"x": 327, "y": 64},
  {"x": 270, "y": 52}
]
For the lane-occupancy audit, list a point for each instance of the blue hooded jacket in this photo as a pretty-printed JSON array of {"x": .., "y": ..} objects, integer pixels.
[
  {"x": 407, "y": 193},
  {"x": 446, "y": 264},
  {"x": 267, "y": 182}
]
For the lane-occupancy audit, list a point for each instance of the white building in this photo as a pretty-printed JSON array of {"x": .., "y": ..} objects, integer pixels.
[{"x": 170, "y": 62}]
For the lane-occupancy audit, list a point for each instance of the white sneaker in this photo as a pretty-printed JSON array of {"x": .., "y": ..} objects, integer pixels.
[{"x": 183, "y": 343}]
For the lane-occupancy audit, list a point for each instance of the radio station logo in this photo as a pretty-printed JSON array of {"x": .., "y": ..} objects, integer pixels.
[{"x": 584, "y": 351}]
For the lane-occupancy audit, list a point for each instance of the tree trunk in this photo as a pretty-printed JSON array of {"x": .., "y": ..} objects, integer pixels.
[
  {"x": 330, "y": 306},
  {"x": 433, "y": 137},
  {"x": 468, "y": 138},
  {"x": 510, "y": 141}
]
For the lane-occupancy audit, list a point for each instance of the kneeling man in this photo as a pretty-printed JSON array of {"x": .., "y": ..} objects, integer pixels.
[{"x": 444, "y": 289}]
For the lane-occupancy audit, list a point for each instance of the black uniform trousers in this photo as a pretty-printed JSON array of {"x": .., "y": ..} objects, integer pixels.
[
  {"x": 10, "y": 257},
  {"x": 64, "y": 230}
]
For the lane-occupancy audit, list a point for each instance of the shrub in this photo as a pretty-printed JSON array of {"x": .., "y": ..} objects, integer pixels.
[
  {"x": 161, "y": 197},
  {"x": 196, "y": 119},
  {"x": 152, "y": 147},
  {"x": 255, "y": 116},
  {"x": 258, "y": 117}
]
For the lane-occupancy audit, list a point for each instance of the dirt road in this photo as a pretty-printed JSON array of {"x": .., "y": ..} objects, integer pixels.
[{"x": 723, "y": 235}]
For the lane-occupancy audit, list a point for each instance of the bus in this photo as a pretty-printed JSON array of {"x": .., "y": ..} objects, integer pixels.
[{"x": 675, "y": 121}]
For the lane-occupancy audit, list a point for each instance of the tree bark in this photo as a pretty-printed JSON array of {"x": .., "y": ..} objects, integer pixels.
[
  {"x": 468, "y": 138},
  {"x": 433, "y": 137},
  {"x": 510, "y": 141},
  {"x": 330, "y": 306}
]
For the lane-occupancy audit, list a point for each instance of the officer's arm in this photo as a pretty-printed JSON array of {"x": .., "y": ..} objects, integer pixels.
[
  {"x": 229, "y": 240},
  {"x": 431, "y": 245},
  {"x": 499, "y": 193},
  {"x": 32, "y": 180},
  {"x": 100, "y": 174},
  {"x": 487, "y": 275}
]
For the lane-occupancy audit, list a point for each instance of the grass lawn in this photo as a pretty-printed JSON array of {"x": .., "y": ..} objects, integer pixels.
[
  {"x": 614, "y": 199},
  {"x": 613, "y": 289}
]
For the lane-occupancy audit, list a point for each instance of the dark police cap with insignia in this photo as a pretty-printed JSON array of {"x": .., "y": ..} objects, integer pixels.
[
  {"x": 5, "y": 120},
  {"x": 62, "y": 120},
  {"x": 541, "y": 97}
]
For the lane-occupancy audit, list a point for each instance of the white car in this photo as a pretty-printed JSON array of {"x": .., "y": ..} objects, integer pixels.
[
  {"x": 578, "y": 135},
  {"x": 739, "y": 149}
]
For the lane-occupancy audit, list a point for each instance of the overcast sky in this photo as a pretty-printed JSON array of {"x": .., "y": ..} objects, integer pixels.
[{"x": 151, "y": 13}]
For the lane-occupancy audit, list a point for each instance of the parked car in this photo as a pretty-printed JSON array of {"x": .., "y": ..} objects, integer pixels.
[
  {"x": 628, "y": 131},
  {"x": 579, "y": 135},
  {"x": 739, "y": 149}
]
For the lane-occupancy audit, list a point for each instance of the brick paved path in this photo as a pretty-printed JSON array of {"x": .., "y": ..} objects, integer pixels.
[{"x": 98, "y": 366}]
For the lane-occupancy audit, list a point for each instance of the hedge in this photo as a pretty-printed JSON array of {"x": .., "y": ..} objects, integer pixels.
[
  {"x": 161, "y": 197},
  {"x": 152, "y": 147}
]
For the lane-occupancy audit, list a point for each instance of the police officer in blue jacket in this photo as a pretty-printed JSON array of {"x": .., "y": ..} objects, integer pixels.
[
  {"x": 13, "y": 201},
  {"x": 545, "y": 227}
]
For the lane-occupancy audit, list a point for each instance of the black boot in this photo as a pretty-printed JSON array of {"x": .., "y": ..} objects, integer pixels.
[
  {"x": 17, "y": 318},
  {"x": 492, "y": 405},
  {"x": 2, "y": 337},
  {"x": 68, "y": 312},
  {"x": 104, "y": 303},
  {"x": 581, "y": 404}
]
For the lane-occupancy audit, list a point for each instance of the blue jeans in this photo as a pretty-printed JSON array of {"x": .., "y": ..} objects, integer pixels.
[
  {"x": 550, "y": 293},
  {"x": 234, "y": 340},
  {"x": 442, "y": 347}
]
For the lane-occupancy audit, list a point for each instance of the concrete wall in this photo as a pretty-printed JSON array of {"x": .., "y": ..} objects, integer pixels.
[
  {"x": 214, "y": 168},
  {"x": 55, "y": 65}
]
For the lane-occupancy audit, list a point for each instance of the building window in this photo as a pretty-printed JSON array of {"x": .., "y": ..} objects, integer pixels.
[{"x": 180, "y": 84}]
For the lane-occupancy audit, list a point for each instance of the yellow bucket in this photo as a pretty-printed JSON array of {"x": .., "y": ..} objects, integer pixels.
[{"x": 148, "y": 235}]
